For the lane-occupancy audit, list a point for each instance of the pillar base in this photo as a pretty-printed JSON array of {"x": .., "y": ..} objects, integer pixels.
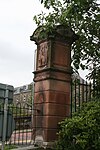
[
  {"x": 49, "y": 145},
  {"x": 39, "y": 142}
]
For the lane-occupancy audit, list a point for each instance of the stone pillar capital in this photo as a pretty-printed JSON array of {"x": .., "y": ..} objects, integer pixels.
[{"x": 60, "y": 33}]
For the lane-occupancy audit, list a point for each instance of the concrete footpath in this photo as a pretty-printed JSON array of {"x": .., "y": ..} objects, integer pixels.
[{"x": 32, "y": 147}]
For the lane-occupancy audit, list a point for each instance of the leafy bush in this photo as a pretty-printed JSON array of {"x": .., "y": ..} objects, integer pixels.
[{"x": 82, "y": 131}]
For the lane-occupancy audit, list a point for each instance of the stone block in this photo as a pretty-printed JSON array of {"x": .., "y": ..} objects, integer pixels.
[
  {"x": 54, "y": 109},
  {"x": 51, "y": 122},
  {"x": 50, "y": 135},
  {"x": 52, "y": 97}
]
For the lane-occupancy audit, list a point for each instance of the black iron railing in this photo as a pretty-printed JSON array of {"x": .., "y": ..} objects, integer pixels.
[
  {"x": 81, "y": 91},
  {"x": 22, "y": 130}
]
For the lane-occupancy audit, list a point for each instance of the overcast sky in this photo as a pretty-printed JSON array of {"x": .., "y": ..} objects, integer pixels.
[{"x": 16, "y": 49}]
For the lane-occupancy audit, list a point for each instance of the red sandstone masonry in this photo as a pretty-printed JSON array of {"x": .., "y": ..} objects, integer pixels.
[{"x": 52, "y": 82}]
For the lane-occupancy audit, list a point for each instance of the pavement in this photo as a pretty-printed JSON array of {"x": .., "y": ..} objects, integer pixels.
[
  {"x": 28, "y": 147},
  {"x": 32, "y": 147}
]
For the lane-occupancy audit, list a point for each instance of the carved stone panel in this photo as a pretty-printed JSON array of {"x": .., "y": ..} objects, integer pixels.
[{"x": 42, "y": 55}]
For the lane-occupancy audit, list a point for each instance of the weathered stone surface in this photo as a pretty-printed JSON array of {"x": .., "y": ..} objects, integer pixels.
[
  {"x": 53, "y": 97},
  {"x": 52, "y": 81},
  {"x": 60, "y": 32}
]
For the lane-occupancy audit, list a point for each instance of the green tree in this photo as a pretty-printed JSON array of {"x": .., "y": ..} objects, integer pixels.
[{"x": 83, "y": 16}]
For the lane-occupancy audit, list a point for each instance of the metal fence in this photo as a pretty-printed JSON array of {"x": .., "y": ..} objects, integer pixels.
[
  {"x": 82, "y": 91},
  {"x": 22, "y": 116}
]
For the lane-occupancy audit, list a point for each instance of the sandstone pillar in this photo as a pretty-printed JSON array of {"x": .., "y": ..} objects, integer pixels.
[{"x": 52, "y": 80}]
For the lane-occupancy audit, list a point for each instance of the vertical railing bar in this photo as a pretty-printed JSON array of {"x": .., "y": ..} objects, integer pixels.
[
  {"x": 2, "y": 117},
  {"x": 10, "y": 108},
  {"x": 23, "y": 124},
  {"x": 6, "y": 127},
  {"x": 21, "y": 129},
  {"x": 71, "y": 104},
  {"x": 79, "y": 93},
  {"x": 75, "y": 95},
  {"x": 26, "y": 127},
  {"x": 82, "y": 91},
  {"x": 16, "y": 116},
  {"x": 28, "y": 122},
  {"x": 86, "y": 90},
  {"x": 31, "y": 124},
  {"x": 27, "y": 132},
  {"x": 97, "y": 88},
  {"x": 13, "y": 108},
  {"x": 19, "y": 124},
  {"x": 94, "y": 88},
  {"x": 90, "y": 91}
]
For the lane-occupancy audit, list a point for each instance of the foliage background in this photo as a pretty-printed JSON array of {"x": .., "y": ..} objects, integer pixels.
[
  {"x": 84, "y": 18},
  {"x": 82, "y": 131}
]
